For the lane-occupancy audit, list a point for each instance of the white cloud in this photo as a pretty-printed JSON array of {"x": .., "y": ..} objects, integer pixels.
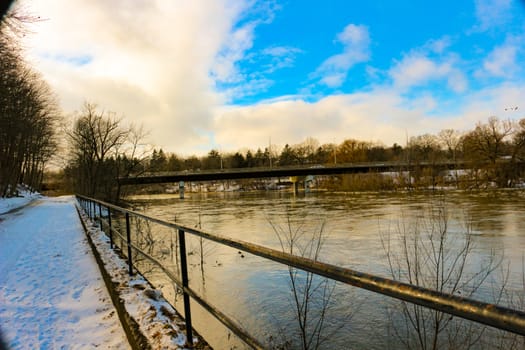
[
  {"x": 501, "y": 62},
  {"x": 429, "y": 63},
  {"x": 280, "y": 57},
  {"x": 379, "y": 115},
  {"x": 415, "y": 70},
  {"x": 330, "y": 119},
  {"x": 491, "y": 14},
  {"x": 158, "y": 63},
  {"x": 280, "y": 51},
  {"x": 155, "y": 62},
  {"x": 237, "y": 43},
  {"x": 356, "y": 41},
  {"x": 438, "y": 45},
  {"x": 252, "y": 86},
  {"x": 457, "y": 81}
]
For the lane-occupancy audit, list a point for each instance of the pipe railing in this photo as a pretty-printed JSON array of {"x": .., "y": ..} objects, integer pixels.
[{"x": 481, "y": 312}]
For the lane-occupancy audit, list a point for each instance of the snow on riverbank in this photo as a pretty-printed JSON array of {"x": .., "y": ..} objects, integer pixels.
[
  {"x": 157, "y": 319},
  {"x": 24, "y": 197},
  {"x": 52, "y": 295}
]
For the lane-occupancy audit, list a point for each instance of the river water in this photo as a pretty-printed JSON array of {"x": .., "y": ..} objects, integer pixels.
[{"x": 357, "y": 231}]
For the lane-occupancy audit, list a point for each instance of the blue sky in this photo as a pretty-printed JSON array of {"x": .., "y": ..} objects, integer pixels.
[
  {"x": 233, "y": 74},
  {"x": 302, "y": 35}
]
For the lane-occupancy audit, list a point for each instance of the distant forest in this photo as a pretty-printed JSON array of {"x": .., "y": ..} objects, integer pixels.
[
  {"x": 488, "y": 142},
  {"x": 102, "y": 149}
]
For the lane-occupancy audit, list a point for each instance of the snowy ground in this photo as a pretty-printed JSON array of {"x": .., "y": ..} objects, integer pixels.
[
  {"x": 8, "y": 204},
  {"x": 52, "y": 295},
  {"x": 158, "y": 321}
]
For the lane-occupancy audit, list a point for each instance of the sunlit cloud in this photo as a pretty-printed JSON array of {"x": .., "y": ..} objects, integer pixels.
[
  {"x": 182, "y": 69},
  {"x": 501, "y": 62},
  {"x": 156, "y": 63},
  {"x": 381, "y": 115},
  {"x": 237, "y": 43},
  {"x": 356, "y": 41},
  {"x": 418, "y": 69}
]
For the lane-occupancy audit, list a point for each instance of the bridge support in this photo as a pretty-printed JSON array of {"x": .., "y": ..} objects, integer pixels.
[
  {"x": 307, "y": 183},
  {"x": 295, "y": 184},
  {"x": 181, "y": 189}
]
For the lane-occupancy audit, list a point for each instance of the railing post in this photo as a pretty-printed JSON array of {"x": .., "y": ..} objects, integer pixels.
[
  {"x": 110, "y": 229},
  {"x": 128, "y": 235},
  {"x": 186, "y": 297},
  {"x": 100, "y": 215}
]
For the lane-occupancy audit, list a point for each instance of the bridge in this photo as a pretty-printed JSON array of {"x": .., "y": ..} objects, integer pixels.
[{"x": 255, "y": 173}]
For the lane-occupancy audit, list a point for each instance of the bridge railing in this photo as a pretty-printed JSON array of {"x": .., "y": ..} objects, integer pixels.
[{"x": 485, "y": 313}]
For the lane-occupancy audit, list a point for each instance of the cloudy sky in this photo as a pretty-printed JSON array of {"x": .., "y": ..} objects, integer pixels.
[{"x": 229, "y": 75}]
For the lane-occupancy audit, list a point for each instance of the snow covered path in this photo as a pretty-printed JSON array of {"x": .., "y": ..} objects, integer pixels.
[{"x": 52, "y": 295}]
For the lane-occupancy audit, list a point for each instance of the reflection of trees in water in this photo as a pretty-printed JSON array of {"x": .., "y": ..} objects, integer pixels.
[
  {"x": 426, "y": 252},
  {"x": 200, "y": 252},
  {"x": 495, "y": 215},
  {"x": 311, "y": 295}
]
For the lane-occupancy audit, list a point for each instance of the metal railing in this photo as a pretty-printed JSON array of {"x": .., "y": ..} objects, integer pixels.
[{"x": 481, "y": 312}]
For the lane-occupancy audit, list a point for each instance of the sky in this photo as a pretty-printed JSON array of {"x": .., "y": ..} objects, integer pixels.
[{"x": 231, "y": 75}]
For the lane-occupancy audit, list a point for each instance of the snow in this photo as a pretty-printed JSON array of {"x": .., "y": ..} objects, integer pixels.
[
  {"x": 157, "y": 319},
  {"x": 52, "y": 295},
  {"x": 24, "y": 198}
]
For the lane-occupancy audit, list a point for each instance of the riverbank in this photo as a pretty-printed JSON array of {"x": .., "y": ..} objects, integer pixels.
[
  {"x": 24, "y": 198},
  {"x": 52, "y": 292}
]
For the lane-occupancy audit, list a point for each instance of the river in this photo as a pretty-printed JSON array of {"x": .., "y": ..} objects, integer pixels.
[{"x": 357, "y": 231}]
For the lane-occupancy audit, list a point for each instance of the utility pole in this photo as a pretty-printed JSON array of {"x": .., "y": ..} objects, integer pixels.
[
  {"x": 335, "y": 153},
  {"x": 270, "y": 151}
]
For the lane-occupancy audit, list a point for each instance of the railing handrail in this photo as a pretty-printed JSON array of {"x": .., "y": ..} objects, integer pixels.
[{"x": 481, "y": 312}]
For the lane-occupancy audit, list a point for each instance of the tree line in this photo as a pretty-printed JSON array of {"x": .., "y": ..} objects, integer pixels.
[
  {"x": 489, "y": 142},
  {"x": 102, "y": 149},
  {"x": 28, "y": 115},
  {"x": 485, "y": 147}
]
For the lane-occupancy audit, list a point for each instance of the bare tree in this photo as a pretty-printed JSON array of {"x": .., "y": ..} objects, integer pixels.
[
  {"x": 450, "y": 139},
  {"x": 305, "y": 151},
  {"x": 102, "y": 149},
  {"x": 311, "y": 294},
  {"x": 28, "y": 117},
  {"x": 518, "y": 141},
  {"x": 352, "y": 151},
  {"x": 131, "y": 156},
  {"x": 425, "y": 253},
  {"x": 485, "y": 145},
  {"x": 487, "y": 141}
]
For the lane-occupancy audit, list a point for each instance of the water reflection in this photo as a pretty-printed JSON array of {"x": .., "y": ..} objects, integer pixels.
[{"x": 256, "y": 292}]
